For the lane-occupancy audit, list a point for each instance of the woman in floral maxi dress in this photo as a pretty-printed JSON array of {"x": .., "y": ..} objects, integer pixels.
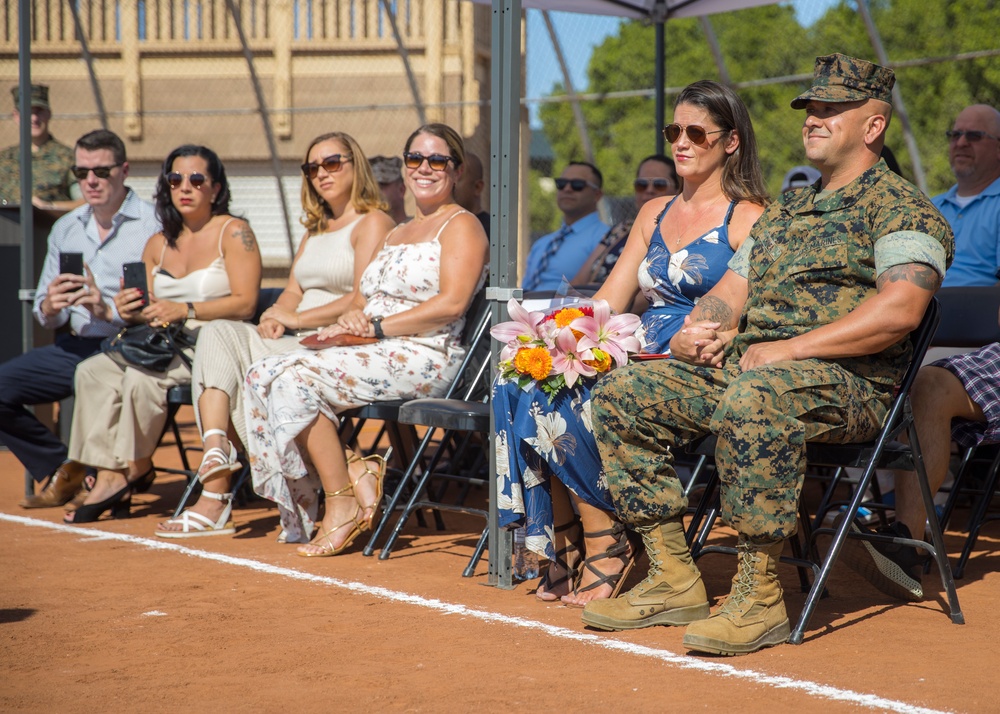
[
  {"x": 548, "y": 465},
  {"x": 416, "y": 292}
]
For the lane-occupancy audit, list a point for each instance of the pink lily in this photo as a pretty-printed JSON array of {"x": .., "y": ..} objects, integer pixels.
[
  {"x": 614, "y": 335},
  {"x": 568, "y": 359},
  {"x": 519, "y": 331}
]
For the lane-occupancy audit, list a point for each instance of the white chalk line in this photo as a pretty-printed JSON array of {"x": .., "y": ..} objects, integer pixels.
[{"x": 812, "y": 689}]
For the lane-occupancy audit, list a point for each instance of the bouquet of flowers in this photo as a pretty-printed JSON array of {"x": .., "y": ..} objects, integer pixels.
[{"x": 556, "y": 349}]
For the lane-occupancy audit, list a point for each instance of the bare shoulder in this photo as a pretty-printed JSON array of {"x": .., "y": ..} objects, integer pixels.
[
  {"x": 464, "y": 226},
  {"x": 651, "y": 210},
  {"x": 744, "y": 216},
  {"x": 154, "y": 246},
  {"x": 239, "y": 234}
]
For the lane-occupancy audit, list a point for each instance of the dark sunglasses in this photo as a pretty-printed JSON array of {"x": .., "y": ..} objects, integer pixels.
[
  {"x": 437, "y": 162},
  {"x": 101, "y": 172},
  {"x": 658, "y": 184},
  {"x": 575, "y": 184},
  {"x": 175, "y": 179},
  {"x": 970, "y": 136},
  {"x": 330, "y": 164},
  {"x": 697, "y": 134}
]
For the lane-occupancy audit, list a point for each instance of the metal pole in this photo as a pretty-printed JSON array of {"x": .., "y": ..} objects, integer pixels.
[
  {"x": 581, "y": 123},
  {"x": 89, "y": 60},
  {"x": 897, "y": 97},
  {"x": 660, "y": 80},
  {"x": 505, "y": 132},
  {"x": 265, "y": 119},
  {"x": 405, "y": 56},
  {"x": 713, "y": 45},
  {"x": 27, "y": 209}
]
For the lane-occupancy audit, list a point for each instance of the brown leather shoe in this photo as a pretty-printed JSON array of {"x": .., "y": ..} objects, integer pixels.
[{"x": 62, "y": 486}]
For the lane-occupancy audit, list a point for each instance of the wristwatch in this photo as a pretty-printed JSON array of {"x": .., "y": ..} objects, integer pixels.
[
  {"x": 191, "y": 312},
  {"x": 377, "y": 327}
]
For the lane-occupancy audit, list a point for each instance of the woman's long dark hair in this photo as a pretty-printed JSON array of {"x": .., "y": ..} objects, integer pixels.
[
  {"x": 742, "y": 179},
  {"x": 168, "y": 214}
]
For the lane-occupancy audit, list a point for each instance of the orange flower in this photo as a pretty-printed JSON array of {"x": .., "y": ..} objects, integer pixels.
[
  {"x": 567, "y": 315},
  {"x": 601, "y": 361},
  {"x": 533, "y": 361}
]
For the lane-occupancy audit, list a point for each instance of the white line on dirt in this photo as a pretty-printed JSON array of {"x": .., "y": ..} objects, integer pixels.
[{"x": 812, "y": 689}]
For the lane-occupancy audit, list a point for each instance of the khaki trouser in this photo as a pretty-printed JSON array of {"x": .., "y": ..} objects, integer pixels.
[
  {"x": 763, "y": 418},
  {"x": 226, "y": 349},
  {"x": 120, "y": 412}
]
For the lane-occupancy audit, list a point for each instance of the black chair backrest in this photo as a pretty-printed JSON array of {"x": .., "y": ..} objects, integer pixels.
[
  {"x": 265, "y": 298},
  {"x": 969, "y": 316}
]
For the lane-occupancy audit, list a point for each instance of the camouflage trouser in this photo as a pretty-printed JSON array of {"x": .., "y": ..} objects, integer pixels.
[{"x": 763, "y": 418}]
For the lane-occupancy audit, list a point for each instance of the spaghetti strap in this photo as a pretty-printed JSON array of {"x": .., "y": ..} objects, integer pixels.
[
  {"x": 445, "y": 224},
  {"x": 385, "y": 241},
  {"x": 729, "y": 213},
  {"x": 664, "y": 211},
  {"x": 163, "y": 252},
  {"x": 222, "y": 233}
]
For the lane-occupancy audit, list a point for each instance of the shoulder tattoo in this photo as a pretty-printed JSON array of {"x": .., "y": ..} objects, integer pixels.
[
  {"x": 713, "y": 309},
  {"x": 923, "y": 276},
  {"x": 245, "y": 235}
]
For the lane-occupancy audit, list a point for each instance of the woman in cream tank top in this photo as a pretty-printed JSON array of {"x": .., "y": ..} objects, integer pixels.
[
  {"x": 344, "y": 223},
  {"x": 205, "y": 265}
]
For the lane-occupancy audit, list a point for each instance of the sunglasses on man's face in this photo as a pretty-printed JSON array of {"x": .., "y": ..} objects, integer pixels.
[
  {"x": 658, "y": 184},
  {"x": 575, "y": 184},
  {"x": 175, "y": 179},
  {"x": 437, "y": 162},
  {"x": 330, "y": 164},
  {"x": 697, "y": 134},
  {"x": 970, "y": 136},
  {"x": 101, "y": 172}
]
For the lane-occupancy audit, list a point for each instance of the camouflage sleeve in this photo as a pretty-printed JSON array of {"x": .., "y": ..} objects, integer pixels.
[
  {"x": 905, "y": 247},
  {"x": 740, "y": 263}
]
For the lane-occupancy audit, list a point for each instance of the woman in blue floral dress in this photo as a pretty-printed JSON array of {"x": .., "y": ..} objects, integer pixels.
[{"x": 548, "y": 465}]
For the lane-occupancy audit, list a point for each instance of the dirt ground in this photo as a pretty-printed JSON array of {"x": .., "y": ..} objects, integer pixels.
[{"x": 107, "y": 617}]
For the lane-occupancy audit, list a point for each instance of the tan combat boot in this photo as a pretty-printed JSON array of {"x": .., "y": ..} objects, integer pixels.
[
  {"x": 671, "y": 594},
  {"x": 753, "y": 615}
]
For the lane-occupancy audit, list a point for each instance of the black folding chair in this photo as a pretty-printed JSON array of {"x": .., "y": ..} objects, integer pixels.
[{"x": 882, "y": 452}]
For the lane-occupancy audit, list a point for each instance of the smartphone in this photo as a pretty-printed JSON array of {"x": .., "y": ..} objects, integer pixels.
[
  {"x": 71, "y": 263},
  {"x": 135, "y": 277}
]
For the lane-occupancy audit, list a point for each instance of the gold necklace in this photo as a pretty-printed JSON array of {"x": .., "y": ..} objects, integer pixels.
[
  {"x": 677, "y": 240},
  {"x": 436, "y": 211}
]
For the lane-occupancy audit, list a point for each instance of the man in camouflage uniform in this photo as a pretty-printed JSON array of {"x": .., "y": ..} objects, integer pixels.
[
  {"x": 54, "y": 187},
  {"x": 802, "y": 340}
]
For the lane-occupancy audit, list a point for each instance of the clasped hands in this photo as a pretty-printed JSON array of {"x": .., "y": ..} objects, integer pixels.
[
  {"x": 354, "y": 322},
  {"x": 702, "y": 343}
]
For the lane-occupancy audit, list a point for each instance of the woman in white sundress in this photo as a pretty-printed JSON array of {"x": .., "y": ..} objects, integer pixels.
[
  {"x": 413, "y": 298},
  {"x": 345, "y": 224}
]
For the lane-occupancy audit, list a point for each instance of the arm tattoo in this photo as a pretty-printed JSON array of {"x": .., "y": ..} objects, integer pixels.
[
  {"x": 713, "y": 309},
  {"x": 247, "y": 237},
  {"x": 922, "y": 276}
]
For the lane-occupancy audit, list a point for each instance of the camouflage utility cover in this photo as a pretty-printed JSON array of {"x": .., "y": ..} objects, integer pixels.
[{"x": 839, "y": 78}]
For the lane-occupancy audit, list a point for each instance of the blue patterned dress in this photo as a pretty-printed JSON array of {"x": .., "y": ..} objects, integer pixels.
[{"x": 536, "y": 439}]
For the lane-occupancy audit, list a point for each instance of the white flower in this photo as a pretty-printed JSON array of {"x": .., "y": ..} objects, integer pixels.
[
  {"x": 531, "y": 478},
  {"x": 550, "y": 427},
  {"x": 675, "y": 271},
  {"x": 712, "y": 237},
  {"x": 502, "y": 455}
]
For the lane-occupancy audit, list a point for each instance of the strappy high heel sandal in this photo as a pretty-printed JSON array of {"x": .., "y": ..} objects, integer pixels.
[
  {"x": 379, "y": 476},
  {"x": 194, "y": 525},
  {"x": 220, "y": 460},
  {"x": 571, "y": 573},
  {"x": 623, "y": 550},
  {"x": 358, "y": 525},
  {"x": 119, "y": 503},
  {"x": 145, "y": 482}
]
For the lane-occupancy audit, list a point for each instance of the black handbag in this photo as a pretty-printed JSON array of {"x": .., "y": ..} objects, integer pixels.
[{"x": 152, "y": 348}]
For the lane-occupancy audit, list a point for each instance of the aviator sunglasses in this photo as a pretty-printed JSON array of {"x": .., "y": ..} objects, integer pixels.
[
  {"x": 175, "y": 179},
  {"x": 575, "y": 184},
  {"x": 101, "y": 172},
  {"x": 697, "y": 134},
  {"x": 437, "y": 162},
  {"x": 658, "y": 184},
  {"x": 970, "y": 136},
  {"x": 330, "y": 164}
]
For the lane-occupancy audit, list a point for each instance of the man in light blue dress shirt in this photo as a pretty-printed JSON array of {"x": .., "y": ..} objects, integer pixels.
[
  {"x": 972, "y": 205},
  {"x": 110, "y": 229},
  {"x": 563, "y": 253}
]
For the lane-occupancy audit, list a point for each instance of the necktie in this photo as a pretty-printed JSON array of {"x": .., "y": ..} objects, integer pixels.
[{"x": 554, "y": 245}]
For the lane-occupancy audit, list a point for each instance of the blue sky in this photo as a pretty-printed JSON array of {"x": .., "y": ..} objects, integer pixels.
[{"x": 579, "y": 34}]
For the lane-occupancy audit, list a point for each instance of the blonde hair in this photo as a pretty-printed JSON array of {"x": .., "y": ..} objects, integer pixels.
[{"x": 365, "y": 193}]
